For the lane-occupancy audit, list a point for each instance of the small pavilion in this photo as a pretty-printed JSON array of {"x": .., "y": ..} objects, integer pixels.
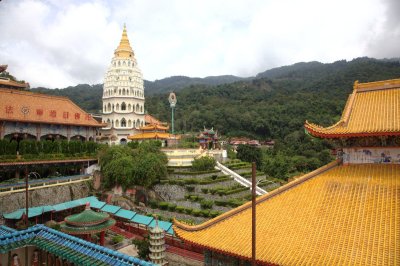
[{"x": 87, "y": 223}]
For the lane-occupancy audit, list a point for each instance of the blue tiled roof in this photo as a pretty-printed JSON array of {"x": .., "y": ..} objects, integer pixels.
[
  {"x": 67, "y": 247},
  {"x": 5, "y": 230},
  {"x": 126, "y": 214},
  {"x": 142, "y": 219},
  {"x": 95, "y": 203},
  {"x": 163, "y": 225},
  {"x": 110, "y": 208}
]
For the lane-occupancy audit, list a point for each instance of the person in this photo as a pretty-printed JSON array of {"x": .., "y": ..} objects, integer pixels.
[
  {"x": 35, "y": 258},
  {"x": 15, "y": 260}
]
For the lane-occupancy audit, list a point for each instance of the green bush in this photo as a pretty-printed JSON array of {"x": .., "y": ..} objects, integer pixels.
[
  {"x": 188, "y": 210},
  {"x": 196, "y": 213},
  {"x": 203, "y": 163},
  {"x": 214, "y": 214},
  {"x": 206, "y": 204},
  {"x": 190, "y": 188},
  {"x": 117, "y": 239},
  {"x": 180, "y": 209},
  {"x": 172, "y": 207},
  {"x": 163, "y": 205},
  {"x": 153, "y": 204},
  {"x": 204, "y": 190},
  {"x": 205, "y": 213},
  {"x": 213, "y": 177}
]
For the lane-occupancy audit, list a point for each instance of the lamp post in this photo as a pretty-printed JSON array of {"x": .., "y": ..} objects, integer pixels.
[
  {"x": 172, "y": 103},
  {"x": 253, "y": 213}
]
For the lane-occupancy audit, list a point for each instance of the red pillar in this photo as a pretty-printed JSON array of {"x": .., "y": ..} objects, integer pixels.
[{"x": 102, "y": 234}]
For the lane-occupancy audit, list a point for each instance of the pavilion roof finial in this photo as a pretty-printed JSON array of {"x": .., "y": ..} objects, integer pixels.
[{"x": 124, "y": 48}]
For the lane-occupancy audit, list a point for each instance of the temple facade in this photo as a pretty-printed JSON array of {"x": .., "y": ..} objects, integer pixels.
[
  {"x": 123, "y": 95},
  {"x": 345, "y": 212},
  {"x": 27, "y": 115}
]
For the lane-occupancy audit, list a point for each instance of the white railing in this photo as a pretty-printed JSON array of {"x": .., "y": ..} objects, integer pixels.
[{"x": 238, "y": 178}]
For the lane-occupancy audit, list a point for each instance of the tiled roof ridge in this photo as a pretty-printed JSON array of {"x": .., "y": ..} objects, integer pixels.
[
  {"x": 358, "y": 88},
  {"x": 376, "y": 85},
  {"x": 261, "y": 199}
]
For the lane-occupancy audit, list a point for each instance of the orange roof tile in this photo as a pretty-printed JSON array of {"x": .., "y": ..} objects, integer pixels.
[
  {"x": 373, "y": 109},
  {"x": 26, "y": 106},
  {"x": 153, "y": 127},
  {"x": 149, "y": 119},
  {"x": 153, "y": 135},
  {"x": 12, "y": 83},
  {"x": 336, "y": 215}
]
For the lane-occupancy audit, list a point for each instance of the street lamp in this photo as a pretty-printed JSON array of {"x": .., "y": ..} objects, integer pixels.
[{"x": 172, "y": 103}]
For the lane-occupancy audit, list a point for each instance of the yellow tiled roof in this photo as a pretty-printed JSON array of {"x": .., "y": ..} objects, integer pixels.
[
  {"x": 337, "y": 215},
  {"x": 153, "y": 135},
  {"x": 373, "y": 109}
]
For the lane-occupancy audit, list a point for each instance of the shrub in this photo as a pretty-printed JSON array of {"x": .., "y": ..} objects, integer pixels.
[
  {"x": 206, "y": 204},
  {"x": 196, "y": 213},
  {"x": 172, "y": 207},
  {"x": 180, "y": 209},
  {"x": 203, "y": 163},
  {"x": 205, "y": 213},
  {"x": 204, "y": 190},
  {"x": 190, "y": 188},
  {"x": 163, "y": 205},
  {"x": 117, "y": 239},
  {"x": 214, "y": 214},
  {"x": 188, "y": 210},
  {"x": 213, "y": 177},
  {"x": 153, "y": 204}
]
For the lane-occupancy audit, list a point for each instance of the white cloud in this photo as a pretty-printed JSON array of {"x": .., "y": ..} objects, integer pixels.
[{"x": 60, "y": 43}]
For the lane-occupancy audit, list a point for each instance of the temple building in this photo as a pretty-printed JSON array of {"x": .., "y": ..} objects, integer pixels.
[
  {"x": 9, "y": 82},
  {"x": 208, "y": 139},
  {"x": 87, "y": 223},
  {"x": 28, "y": 115},
  {"x": 344, "y": 213},
  {"x": 155, "y": 132},
  {"x": 123, "y": 95}
]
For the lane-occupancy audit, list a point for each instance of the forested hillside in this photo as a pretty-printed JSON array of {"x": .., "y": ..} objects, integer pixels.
[{"x": 272, "y": 105}]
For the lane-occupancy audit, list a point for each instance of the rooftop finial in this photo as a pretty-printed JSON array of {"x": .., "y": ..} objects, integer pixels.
[{"x": 124, "y": 49}]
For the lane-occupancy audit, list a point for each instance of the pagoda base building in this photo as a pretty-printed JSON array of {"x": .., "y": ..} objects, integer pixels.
[
  {"x": 156, "y": 132},
  {"x": 344, "y": 213}
]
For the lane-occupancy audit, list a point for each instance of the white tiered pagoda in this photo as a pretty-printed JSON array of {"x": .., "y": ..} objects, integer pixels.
[
  {"x": 157, "y": 246},
  {"x": 123, "y": 95}
]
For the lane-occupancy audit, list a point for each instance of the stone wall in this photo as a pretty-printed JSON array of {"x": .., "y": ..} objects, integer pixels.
[{"x": 44, "y": 196}]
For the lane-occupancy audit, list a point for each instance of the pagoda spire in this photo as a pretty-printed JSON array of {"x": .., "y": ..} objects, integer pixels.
[{"x": 124, "y": 48}]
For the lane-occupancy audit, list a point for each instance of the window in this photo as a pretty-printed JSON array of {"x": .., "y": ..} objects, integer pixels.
[
  {"x": 137, "y": 108},
  {"x": 117, "y": 107},
  {"x": 129, "y": 123},
  {"x": 123, "y": 106},
  {"x": 117, "y": 123},
  {"x": 109, "y": 107},
  {"x": 129, "y": 107},
  {"x": 137, "y": 123},
  {"x": 123, "y": 122}
]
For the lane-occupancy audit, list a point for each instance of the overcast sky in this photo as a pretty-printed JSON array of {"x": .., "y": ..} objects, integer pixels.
[{"x": 60, "y": 43}]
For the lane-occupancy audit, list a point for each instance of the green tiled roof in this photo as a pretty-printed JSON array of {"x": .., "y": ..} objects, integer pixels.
[
  {"x": 87, "y": 229},
  {"x": 87, "y": 217}
]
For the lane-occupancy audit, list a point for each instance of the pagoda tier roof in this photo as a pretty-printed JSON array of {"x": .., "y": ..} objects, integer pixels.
[
  {"x": 73, "y": 249},
  {"x": 153, "y": 135},
  {"x": 336, "y": 215},
  {"x": 26, "y": 106},
  {"x": 153, "y": 127},
  {"x": 373, "y": 109}
]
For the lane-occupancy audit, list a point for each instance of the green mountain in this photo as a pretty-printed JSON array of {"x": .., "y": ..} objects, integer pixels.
[{"x": 272, "y": 105}]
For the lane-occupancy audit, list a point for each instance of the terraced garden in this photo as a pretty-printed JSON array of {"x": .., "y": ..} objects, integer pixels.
[{"x": 198, "y": 196}]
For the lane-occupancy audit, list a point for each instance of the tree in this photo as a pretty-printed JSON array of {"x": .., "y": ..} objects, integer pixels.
[
  {"x": 143, "y": 247},
  {"x": 250, "y": 154},
  {"x": 203, "y": 163}
]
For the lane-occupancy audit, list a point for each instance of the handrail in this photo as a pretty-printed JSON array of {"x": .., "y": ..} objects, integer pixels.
[{"x": 238, "y": 178}]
